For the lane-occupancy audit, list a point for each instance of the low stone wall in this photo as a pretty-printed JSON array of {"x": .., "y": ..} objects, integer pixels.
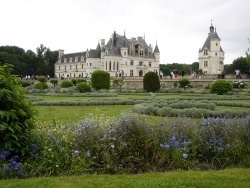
[{"x": 197, "y": 83}]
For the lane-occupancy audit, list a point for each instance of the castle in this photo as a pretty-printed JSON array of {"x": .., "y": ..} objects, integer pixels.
[
  {"x": 120, "y": 57},
  {"x": 211, "y": 55}
]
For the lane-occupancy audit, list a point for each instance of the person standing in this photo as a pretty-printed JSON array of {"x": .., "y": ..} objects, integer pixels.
[{"x": 182, "y": 73}]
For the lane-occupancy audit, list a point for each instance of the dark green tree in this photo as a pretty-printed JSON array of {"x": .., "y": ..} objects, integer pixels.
[
  {"x": 241, "y": 64},
  {"x": 16, "y": 114},
  {"x": 151, "y": 82}
]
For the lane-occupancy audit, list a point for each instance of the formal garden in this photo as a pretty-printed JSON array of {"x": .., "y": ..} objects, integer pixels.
[{"x": 98, "y": 133}]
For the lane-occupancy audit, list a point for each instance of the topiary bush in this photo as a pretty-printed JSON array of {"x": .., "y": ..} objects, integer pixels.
[
  {"x": 54, "y": 82},
  {"x": 221, "y": 87},
  {"x": 100, "y": 80},
  {"x": 41, "y": 86},
  {"x": 151, "y": 82},
  {"x": 16, "y": 114},
  {"x": 83, "y": 87},
  {"x": 184, "y": 82},
  {"x": 66, "y": 84},
  {"x": 42, "y": 79}
]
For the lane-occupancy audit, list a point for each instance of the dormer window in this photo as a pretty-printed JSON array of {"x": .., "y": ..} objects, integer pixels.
[
  {"x": 205, "y": 52},
  {"x": 65, "y": 60},
  {"x": 82, "y": 58},
  {"x": 70, "y": 59},
  {"x": 76, "y": 59}
]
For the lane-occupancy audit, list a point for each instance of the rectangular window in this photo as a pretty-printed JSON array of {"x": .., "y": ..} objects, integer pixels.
[
  {"x": 125, "y": 53},
  {"x": 90, "y": 64},
  {"x": 205, "y": 52},
  {"x": 149, "y": 64},
  {"x": 59, "y": 67},
  {"x": 82, "y": 66},
  {"x": 140, "y": 63},
  {"x": 131, "y": 73},
  {"x": 215, "y": 54},
  {"x": 205, "y": 63},
  {"x": 131, "y": 62}
]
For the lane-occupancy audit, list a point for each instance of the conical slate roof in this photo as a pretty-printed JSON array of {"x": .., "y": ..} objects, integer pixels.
[
  {"x": 156, "y": 50},
  {"x": 212, "y": 35}
]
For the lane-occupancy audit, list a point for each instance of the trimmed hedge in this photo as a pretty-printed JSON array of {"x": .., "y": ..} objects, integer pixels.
[
  {"x": 151, "y": 82},
  {"x": 100, "y": 80}
]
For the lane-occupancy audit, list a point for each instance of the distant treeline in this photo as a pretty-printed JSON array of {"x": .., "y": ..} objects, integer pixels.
[{"x": 28, "y": 62}]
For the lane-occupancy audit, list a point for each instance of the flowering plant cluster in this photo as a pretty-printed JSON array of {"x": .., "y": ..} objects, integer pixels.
[
  {"x": 132, "y": 144},
  {"x": 239, "y": 85}
]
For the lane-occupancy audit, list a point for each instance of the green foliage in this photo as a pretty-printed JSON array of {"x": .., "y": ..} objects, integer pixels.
[
  {"x": 41, "y": 86},
  {"x": 66, "y": 84},
  {"x": 42, "y": 79},
  {"x": 100, "y": 80},
  {"x": 151, "y": 82},
  {"x": 26, "y": 83},
  {"x": 83, "y": 87},
  {"x": 16, "y": 115},
  {"x": 184, "y": 82},
  {"x": 79, "y": 80},
  {"x": 221, "y": 87},
  {"x": 54, "y": 82},
  {"x": 118, "y": 82},
  {"x": 74, "y": 81}
]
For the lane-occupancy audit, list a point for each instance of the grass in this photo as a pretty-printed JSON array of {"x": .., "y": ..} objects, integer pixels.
[
  {"x": 229, "y": 178},
  {"x": 69, "y": 114}
]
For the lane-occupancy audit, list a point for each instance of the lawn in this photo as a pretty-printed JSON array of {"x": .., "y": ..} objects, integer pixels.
[{"x": 229, "y": 178}]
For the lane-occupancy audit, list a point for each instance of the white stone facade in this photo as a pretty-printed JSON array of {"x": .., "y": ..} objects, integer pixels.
[
  {"x": 211, "y": 55},
  {"x": 120, "y": 56}
]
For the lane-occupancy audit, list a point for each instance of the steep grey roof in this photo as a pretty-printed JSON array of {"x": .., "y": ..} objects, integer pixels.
[
  {"x": 95, "y": 53},
  {"x": 212, "y": 35},
  {"x": 73, "y": 56},
  {"x": 156, "y": 50}
]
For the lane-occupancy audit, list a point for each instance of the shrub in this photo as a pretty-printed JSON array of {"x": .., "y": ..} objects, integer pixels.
[
  {"x": 118, "y": 82},
  {"x": 54, "y": 82},
  {"x": 16, "y": 115},
  {"x": 221, "y": 87},
  {"x": 74, "y": 82},
  {"x": 184, "y": 82},
  {"x": 66, "y": 84},
  {"x": 83, "y": 87},
  {"x": 42, "y": 79},
  {"x": 81, "y": 80},
  {"x": 100, "y": 80},
  {"x": 41, "y": 86},
  {"x": 151, "y": 82},
  {"x": 26, "y": 83}
]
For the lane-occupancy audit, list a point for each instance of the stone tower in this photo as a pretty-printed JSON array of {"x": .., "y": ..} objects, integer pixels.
[{"x": 211, "y": 55}]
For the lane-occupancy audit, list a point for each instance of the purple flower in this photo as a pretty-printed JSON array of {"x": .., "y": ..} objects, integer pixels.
[
  {"x": 175, "y": 144},
  {"x": 185, "y": 155},
  {"x": 185, "y": 144},
  {"x": 7, "y": 169}
]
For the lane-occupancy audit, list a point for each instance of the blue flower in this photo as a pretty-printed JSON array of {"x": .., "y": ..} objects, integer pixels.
[
  {"x": 228, "y": 146},
  {"x": 185, "y": 155},
  {"x": 220, "y": 149},
  {"x": 88, "y": 154},
  {"x": 7, "y": 169},
  {"x": 166, "y": 146},
  {"x": 185, "y": 144},
  {"x": 175, "y": 144},
  {"x": 75, "y": 153}
]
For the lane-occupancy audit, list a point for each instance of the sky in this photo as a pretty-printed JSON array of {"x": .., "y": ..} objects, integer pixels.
[{"x": 179, "y": 27}]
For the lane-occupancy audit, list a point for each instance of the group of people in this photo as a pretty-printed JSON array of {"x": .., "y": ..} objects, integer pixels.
[{"x": 221, "y": 75}]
